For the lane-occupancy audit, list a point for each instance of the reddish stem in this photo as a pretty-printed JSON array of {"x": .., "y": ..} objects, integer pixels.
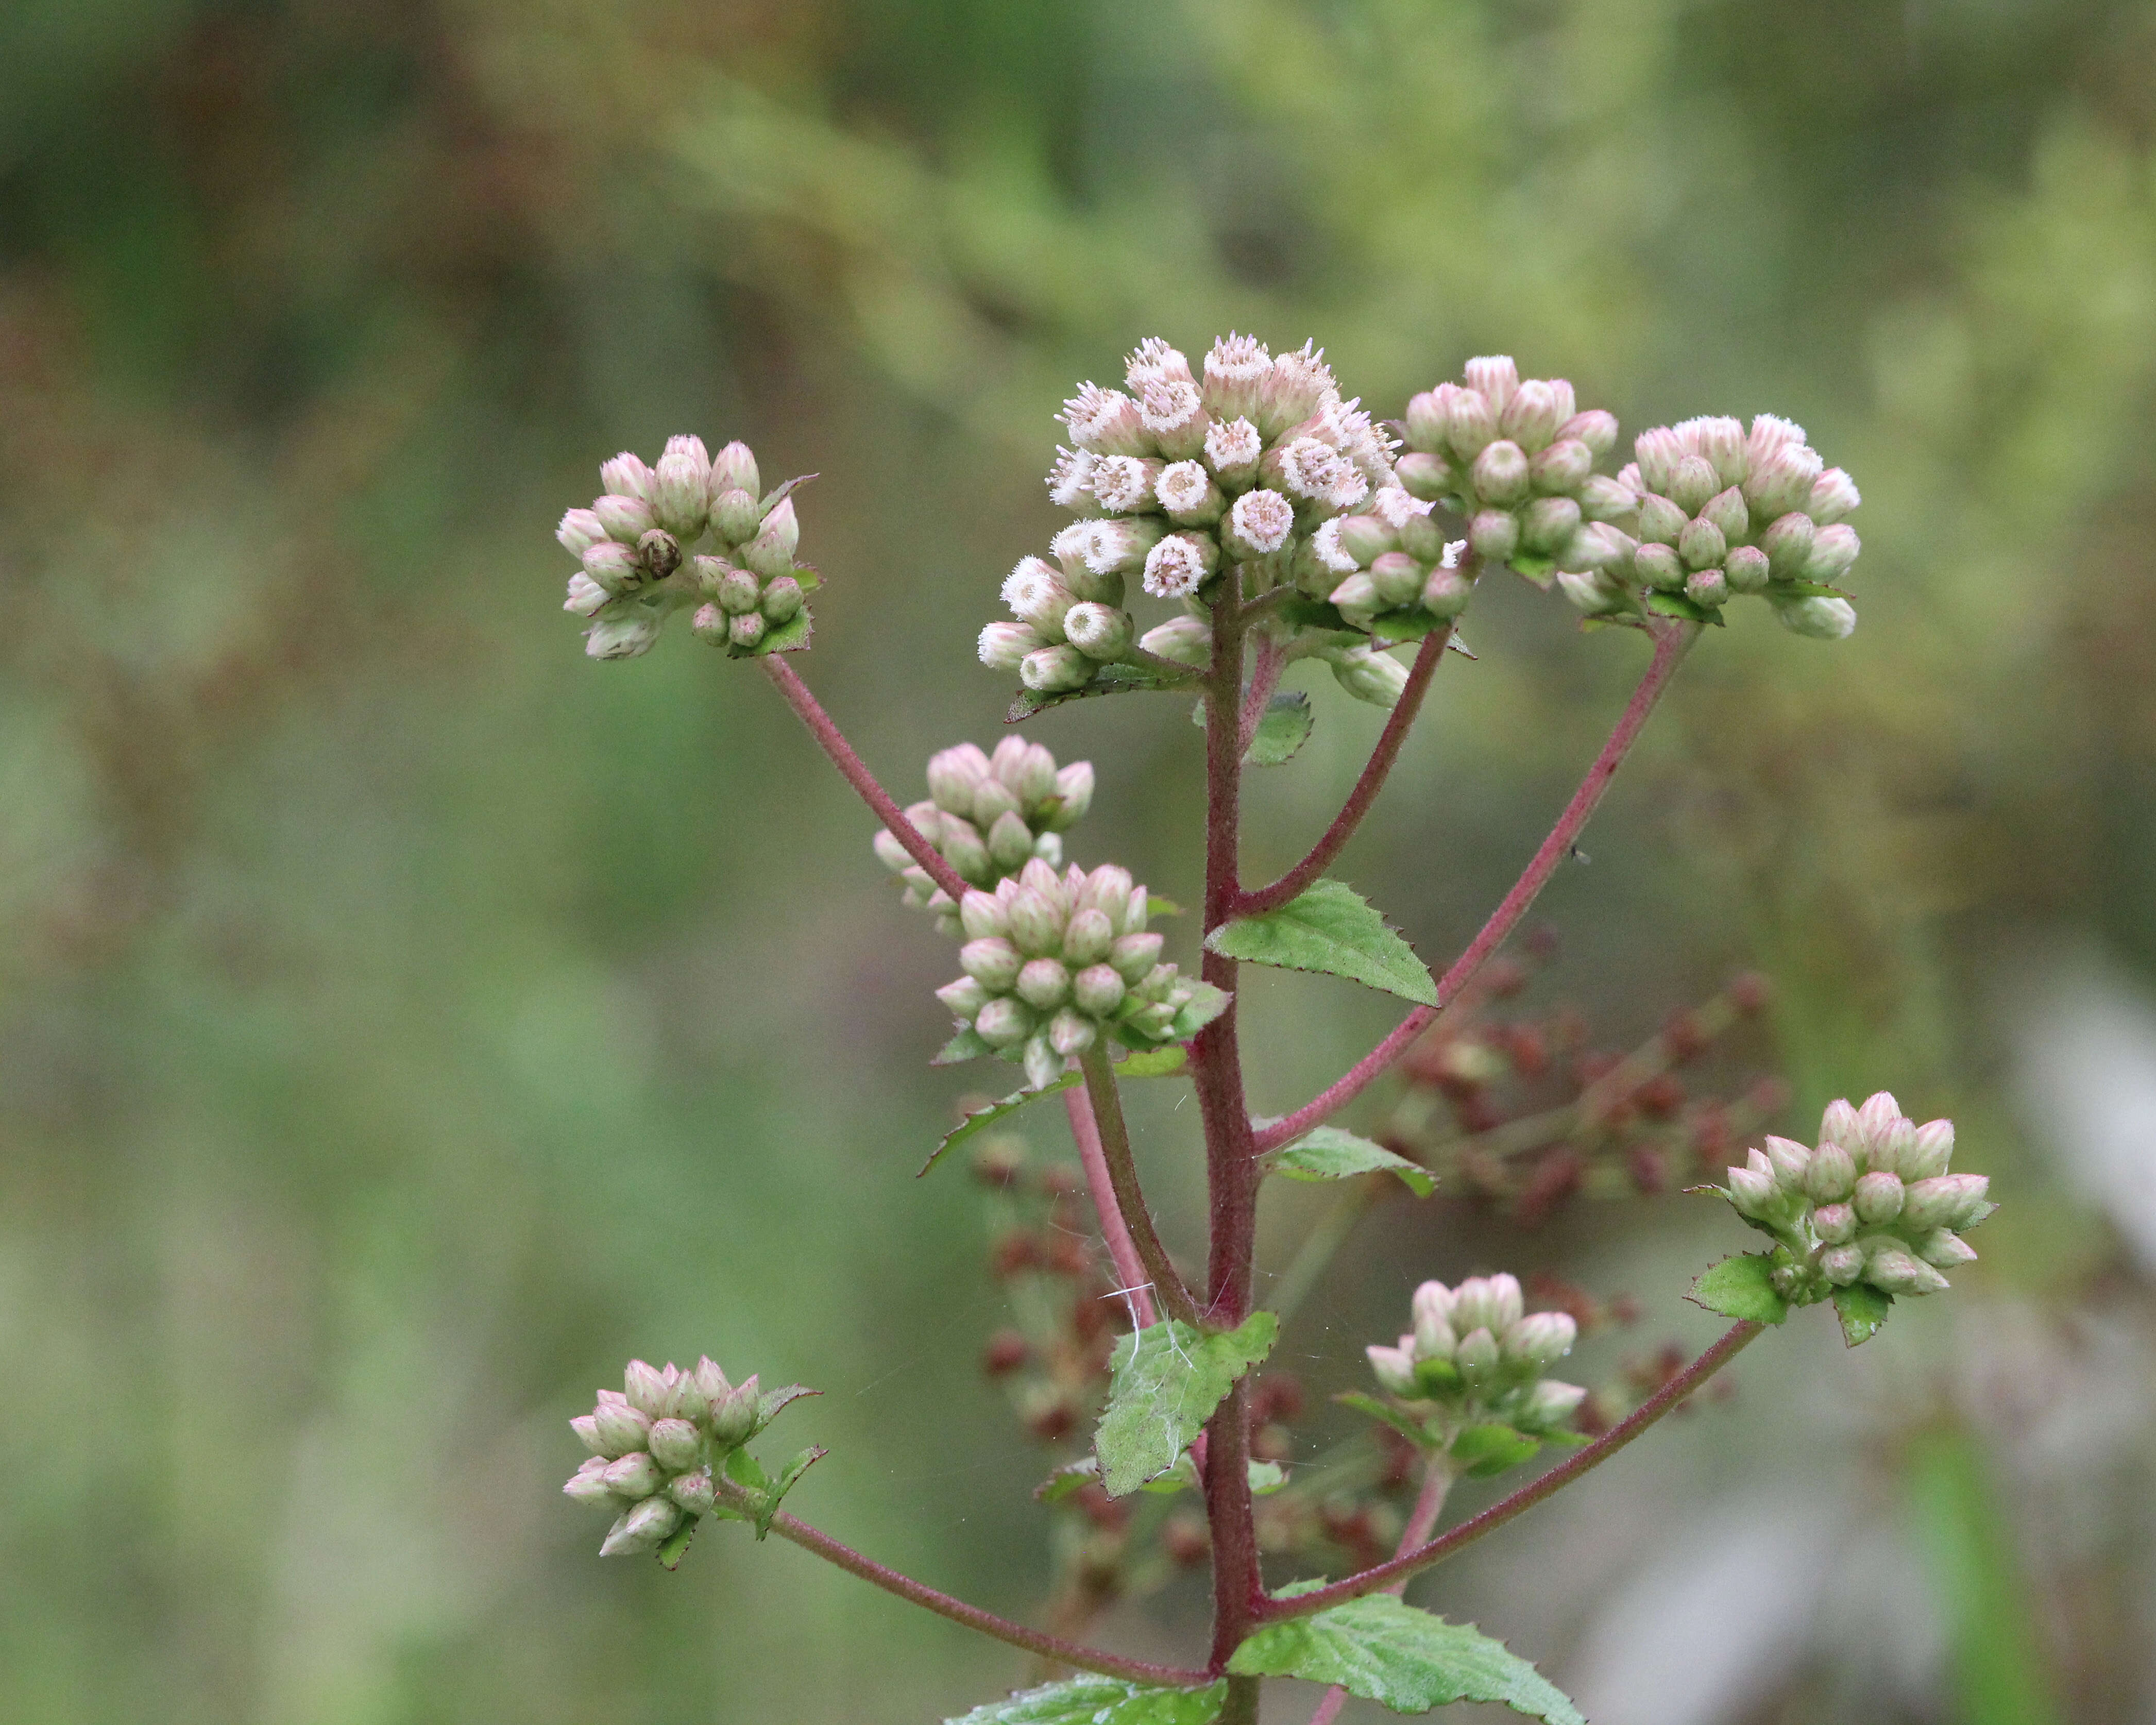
[
  {"x": 1670, "y": 645},
  {"x": 1335, "y": 837},
  {"x": 1130, "y": 1268},
  {"x": 1265, "y": 669},
  {"x": 1663, "y": 1401},
  {"x": 1034, "y": 1640},
  {"x": 1114, "y": 1138},
  {"x": 856, "y": 774},
  {"x": 1430, "y": 1504}
]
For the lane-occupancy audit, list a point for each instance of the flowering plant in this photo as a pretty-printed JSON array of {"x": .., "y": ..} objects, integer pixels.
[{"x": 1276, "y": 521}]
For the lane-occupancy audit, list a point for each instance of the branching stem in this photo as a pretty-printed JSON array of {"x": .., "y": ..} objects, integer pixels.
[
  {"x": 1438, "y": 1474},
  {"x": 1672, "y": 642},
  {"x": 856, "y": 773},
  {"x": 1114, "y": 1137},
  {"x": 1122, "y": 1249}
]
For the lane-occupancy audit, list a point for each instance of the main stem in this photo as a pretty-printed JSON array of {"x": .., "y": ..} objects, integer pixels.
[
  {"x": 1230, "y": 1165},
  {"x": 1430, "y": 1504},
  {"x": 1672, "y": 642},
  {"x": 1379, "y": 1576}
]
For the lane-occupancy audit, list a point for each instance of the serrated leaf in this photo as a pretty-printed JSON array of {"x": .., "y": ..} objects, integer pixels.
[
  {"x": 1862, "y": 1309},
  {"x": 1676, "y": 605},
  {"x": 1102, "y": 1701},
  {"x": 1168, "y": 1379},
  {"x": 778, "y": 494},
  {"x": 1151, "y": 1062},
  {"x": 1412, "y": 1430},
  {"x": 768, "y": 1403},
  {"x": 1328, "y": 1154},
  {"x": 789, "y": 1477},
  {"x": 791, "y": 636},
  {"x": 1409, "y": 1660},
  {"x": 965, "y": 1045},
  {"x": 675, "y": 1545},
  {"x": 1742, "y": 1287},
  {"x": 1108, "y": 680},
  {"x": 1071, "y": 1477},
  {"x": 1333, "y": 929},
  {"x": 1482, "y": 1450}
]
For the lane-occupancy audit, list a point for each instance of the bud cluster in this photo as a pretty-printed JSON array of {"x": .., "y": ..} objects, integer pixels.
[
  {"x": 1720, "y": 514},
  {"x": 989, "y": 815},
  {"x": 638, "y": 546},
  {"x": 1873, "y": 1203},
  {"x": 1515, "y": 460},
  {"x": 655, "y": 1444},
  {"x": 1236, "y": 465},
  {"x": 1476, "y": 1356},
  {"x": 1053, "y": 962}
]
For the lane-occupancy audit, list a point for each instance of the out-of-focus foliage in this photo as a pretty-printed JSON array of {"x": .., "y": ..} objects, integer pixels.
[{"x": 401, "y": 1019}]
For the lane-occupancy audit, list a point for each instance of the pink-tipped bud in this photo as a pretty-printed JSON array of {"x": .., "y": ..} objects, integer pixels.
[
  {"x": 1100, "y": 632},
  {"x": 1478, "y": 1357},
  {"x": 1493, "y": 535},
  {"x": 1842, "y": 1265},
  {"x": 770, "y": 553},
  {"x": 1708, "y": 587},
  {"x": 1097, "y": 990},
  {"x": 1603, "y": 499},
  {"x": 1003, "y": 646},
  {"x": 1947, "y": 1201},
  {"x": 1394, "y": 1369},
  {"x": 1071, "y": 1032},
  {"x": 1833, "y": 495},
  {"x": 1534, "y": 413},
  {"x": 1044, "y": 983},
  {"x": 646, "y": 1388},
  {"x": 963, "y": 998},
  {"x": 1701, "y": 544},
  {"x": 587, "y": 1484},
  {"x": 1237, "y": 371},
  {"x": 1432, "y": 1306},
  {"x": 1548, "y": 523},
  {"x": 1931, "y": 1148},
  {"x": 1879, "y": 1197},
  {"x": 1174, "y": 418},
  {"x": 1470, "y": 420},
  {"x": 625, "y": 518},
  {"x": 1187, "y": 492},
  {"x": 1720, "y": 441},
  {"x": 1833, "y": 550},
  {"x": 1831, "y": 1176},
  {"x": 1495, "y": 377},
  {"x": 1659, "y": 567},
  {"x": 1659, "y": 451},
  {"x": 994, "y": 961},
  {"x": 1540, "y": 1341},
  {"x": 1073, "y": 792},
  {"x": 1943, "y": 1248},
  {"x": 1821, "y": 617},
  {"x": 1561, "y": 469},
  {"x": 1890, "y": 1268},
  {"x": 1594, "y": 428},
  {"x": 1124, "y": 484},
  {"x": 1258, "y": 524},
  {"x": 1789, "y": 1159},
  {"x": 1003, "y": 1023},
  {"x": 1427, "y": 476},
  {"x": 586, "y": 596},
  {"x": 1134, "y": 955},
  {"x": 1181, "y": 640},
  {"x": 1874, "y": 1120},
  {"x": 736, "y": 515},
  {"x": 1726, "y": 510},
  {"x": 1835, "y": 1223},
  {"x": 1233, "y": 449},
  {"x": 1693, "y": 483},
  {"x": 1181, "y": 563},
  {"x": 1754, "y": 1192},
  {"x": 1783, "y": 482},
  {"x": 627, "y": 476},
  {"x": 680, "y": 493},
  {"x": 676, "y": 1444},
  {"x": 1748, "y": 569},
  {"x": 580, "y": 529},
  {"x": 1500, "y": 474},
  {"x": 733, "y": 468},
  {"x": 1105, "y": 421}
]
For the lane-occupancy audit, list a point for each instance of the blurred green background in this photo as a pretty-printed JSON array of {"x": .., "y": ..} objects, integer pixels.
[{"x": 403, "y": 1021}]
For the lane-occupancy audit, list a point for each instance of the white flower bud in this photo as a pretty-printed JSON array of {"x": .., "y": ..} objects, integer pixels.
[
  {"x": 1101, "y": 632},
  {"x": 1726, "y": 510},
  {"x": 1783, "y": 482},
  {"x": 1833, "y": 496},
  {"x": 1835, "y": 1224},
  {"x": 1548, "y": 522},
  {"x": 746, "y": 630},
  {"x": 1125, "y": 483},
  {"x": 1495, "y": 377},
  {"x": 1890, "y": 1268},
  {"x": 1188, "y": 494},
  {"x": 1301, "y": 385},
  {"x": 1003, "y": 1023},
  {"x": 1258, "y": 524},
  {"x": 1357, "y": 598},
  {"x": 1052, "y": 670},
  {"x": 770, "y": 553},
  {"x": 627, "y": 476},
  {"x": 1930, "y": 1150},
  {"x": 1550, "y": 1403},
  {"x": 1395, "y": 1370},
  {"x": 734, "y": 1421},
  {"x": 1603, "y": 499},
  {"x": 1834, "y": 549},
  {"x": 1426, "y": 421},
  {"x": 1372, "y": 676},
  {"x": 1478, "y": 1357},
  {"x": 1660, "y": 451},
  {"x": 1594, "y": 428},
  {"x": 1088, "y": 935},
  {"x": 1943, "y": 1248},
  {"x": 1003, "y": 646},
  {"x": 644, "y": 1388},
  {"x": 1500, "y": 474},
  {"x": 1044, "y": 983},
  {"x": 733, "y": 468},
  {"x": 1832, "y": 1175},
  {"x": 680, "y": 494},
  {"x": 1842, "y": 1265},
  {"x": 782, "y": 599},
  {"x": 1822, "y": 619},
  {"x": 1693, "y": 483},
  {"x": 1181, "y": 640},
  {"x": 992, "y": 960},
  {"x": 1788, "y": 543},
  {"x": 1875, "y": 1120},
  {"x": 1105, "y": 421},
  {"x": 1097, "y": 990},
  {"x": 954, "y": 775},
  {"x": 586, "y": 597},
  {"x": 1432, "y": 1306},
  {"x": 1036, "y": 924},
  {"x": 1232, "y": 450},
  {"x": 738, "y": 592},
  {"x": 1561, "y": 469},
  {"x": 635, "y": 1475},
  {"x": 1947, "y": 1201},
  {"x": 625, "y": 518},
  {"x": 1237, "y": 371},
  {"x": 1072, "y": 1033},
  {"x": 1070, "y": 480},
  {"x": 1425, "y": 476},
  {"x": 1701, "y": 544},
  {"x": 963, "y": 998},
  {"x": 1398, "y": 578},
  {"x": 736, "y": 515},
  {"x": 693, "y": 1491},
  {"x": 676, "y": 1445},
  {"x": 1752, "y": 1192},
  {"x": 1495, "y": 535},
  {"x": 1134, "y": 955},
  {"x": 1447, "y": 593},
  {"x": 983, "y": 917},
  {"x": 1747, "y": 568},
  {"x": 1540, "y": 1341},
  {"x": 1532, "y": 416},
  {"x": 587, "y": 1484},
  {"x": 580, "y": 530},
  {"x": 1661, "y": 522},
  {"x": 643, "y": 1528},
  {"x": 1709, "y": 587},
  {"x": 1174, "y": 417},
  {"x": 1839, "y": 1124},
  {"x": 1879, "y": 1197},
  {"x": 711, "y": 1381},
  {"x": 1115, "y": 546}
]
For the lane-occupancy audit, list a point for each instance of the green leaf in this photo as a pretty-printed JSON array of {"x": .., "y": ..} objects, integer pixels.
[
  {"x": 788, "y": 1479},
  {"x": 1071, "y": 1477},
  {"x": 1111, "y": 679},
  {"x": 1333, "y": 929},
  {"x": 1205, "y": 1004},
  {"x": 1412, "y": 1430},
  {"x": 675, "y": 1545},
  {"x": 1863, "y": 1311},
  {"x": 1328, "y": 1154},
  {"x": 1811, "y": 590},
  {"x": 1168, "y": 1379},
  {"x": 965, "y": 1045},
  {"x": 745, "y": 1470},
  {"x": 1482, "y": 1450},
  {"x": 1676, "y": 605},
  {"x": 1162, "y": 1062},
  {"x": 1540, "y": 570},
  {"x": 768, "y": 1403},
  {"x": 1385, "y": 1651},
  {"x": 1265, "y": 1478},
  {"x": 1742, "y": 1287},
  {"x": 1091, "y": 1700},
  {"x": 791, "y": 636},
  {"x": 772, "y": 498},
  {"x": 1409, "y": 624},
  {"x": 1282, "y": 732}
]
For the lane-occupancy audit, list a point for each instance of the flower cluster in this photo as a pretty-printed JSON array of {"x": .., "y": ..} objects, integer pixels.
[
  {"x": 1476, "y": 1356},
  {"x": 989, "y": 815},
  {"x": 1235, "y": 465},
  {"x": 1873, "y": 1203},
  {"x": 1053, "y": 963},
  {"x": 637, "y": 544},
  {"x": 1722, "y": 513},
  {"x": 653, "y": 1444}
]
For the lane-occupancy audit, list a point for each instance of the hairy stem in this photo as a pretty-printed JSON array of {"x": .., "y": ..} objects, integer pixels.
[
  {"x": 834, "y": 743},
  {"x": 1115, "y": 1140},
  {"x": 1430, "y": 1504},
  {"x": 1335, "y": 837},
  {"x": 1672, "y": 642},
  {"x": 1018, "y": 1634},
  {"x": 1130, "y": 1267},
  {"x": 1671, "y": 1396},
  {"x": 1265, "y": 669},
  {"x": 1231, "y": 1172}
]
